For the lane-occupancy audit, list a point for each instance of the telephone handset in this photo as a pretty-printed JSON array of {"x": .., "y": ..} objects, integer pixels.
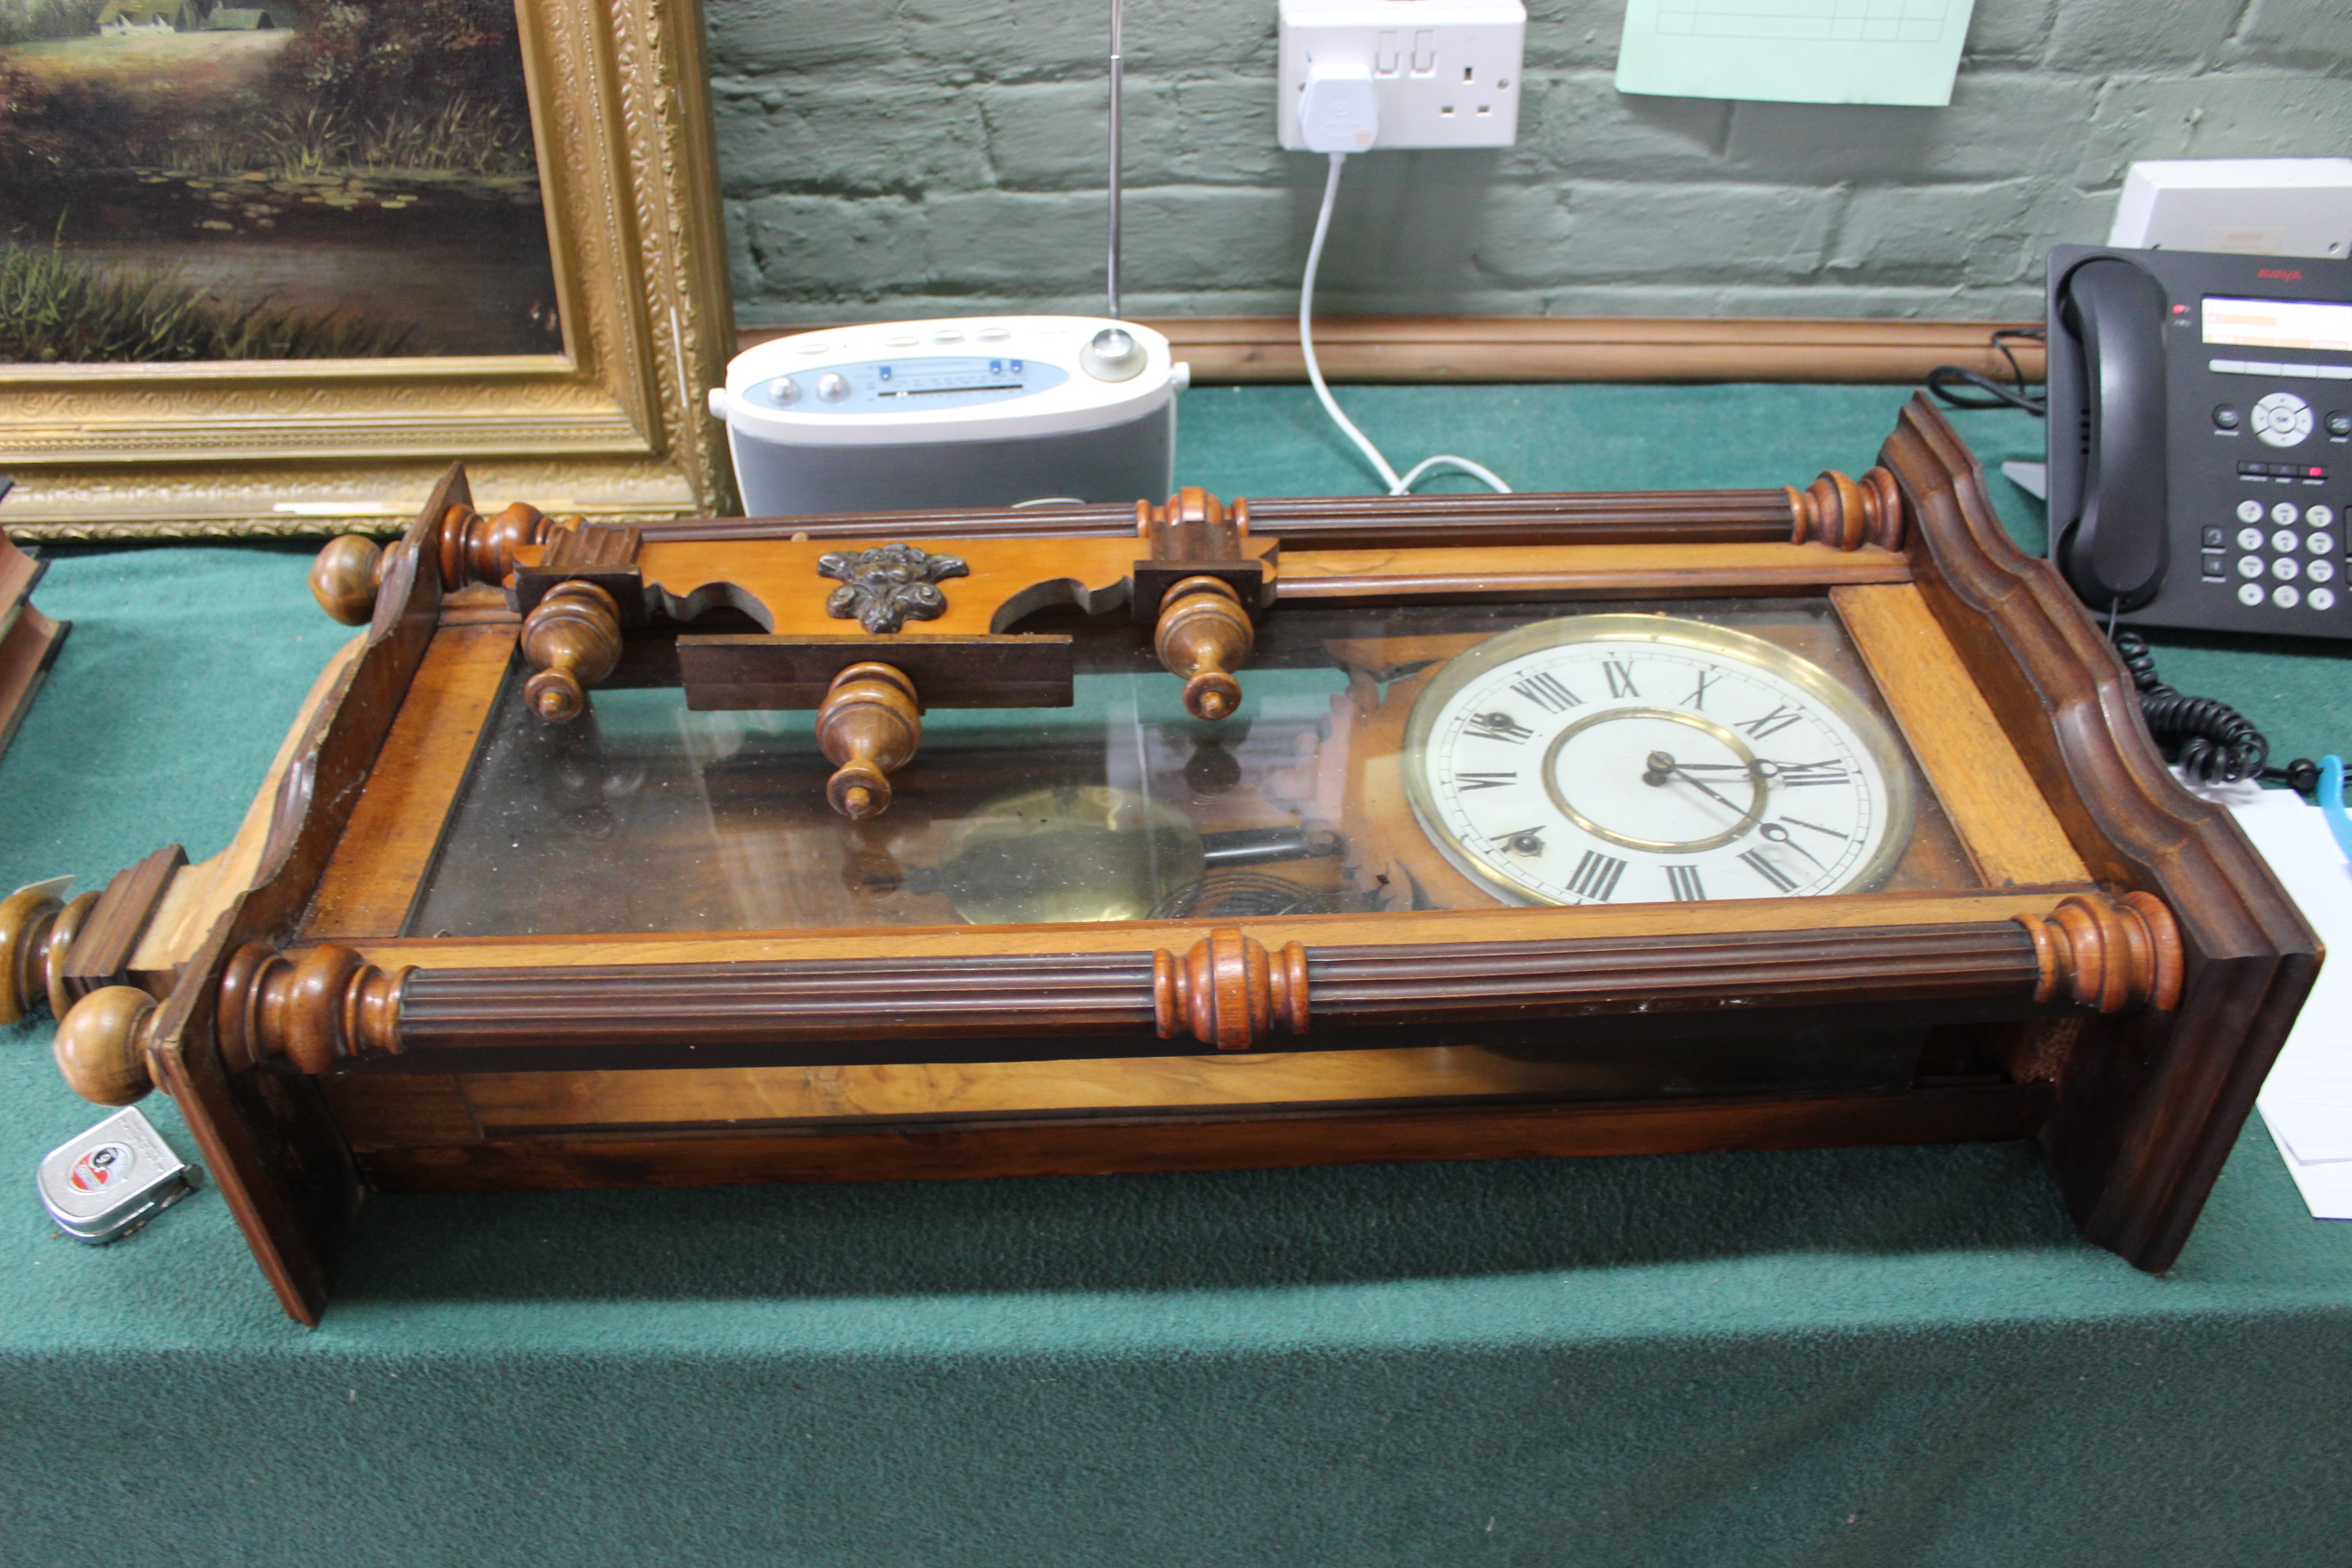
[{"x": 2201, "y": 438}]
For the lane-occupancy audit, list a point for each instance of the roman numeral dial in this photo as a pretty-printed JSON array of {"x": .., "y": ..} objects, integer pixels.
[{"x": 1635, "y": 758}]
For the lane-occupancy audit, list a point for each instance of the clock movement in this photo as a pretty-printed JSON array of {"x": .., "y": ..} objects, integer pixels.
[{"x": 1182, "y": 835}]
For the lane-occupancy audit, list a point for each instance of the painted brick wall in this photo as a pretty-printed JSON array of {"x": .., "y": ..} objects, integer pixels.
[{"x": 887, "y": 158}]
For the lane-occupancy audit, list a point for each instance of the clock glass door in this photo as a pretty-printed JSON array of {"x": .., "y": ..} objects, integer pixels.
[{"x": 1385, "y": 757}]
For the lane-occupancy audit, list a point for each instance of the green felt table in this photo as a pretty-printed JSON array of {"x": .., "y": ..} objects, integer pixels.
[{"x": 1864, "y": 1356}]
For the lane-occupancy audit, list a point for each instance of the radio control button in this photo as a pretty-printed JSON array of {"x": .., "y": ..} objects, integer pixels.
[
  {"x": 2284, "y": 597},
  {"x": 2250, "y": 538},
  {"x": 833, "y": 386},
  {"x": 2321, "y": 570},
  {"x": 2285, "y": 540},
  {"x": 2250, "y": 566},
  {"x": 2282, "y": 419},
  {"x": 2322, "y": 598},
  {"x": 784, "y": 390},
  {"x": 2284, "y": 513},
  {"x": 2250, "y": 594},
  {"x": 2250, "y": 511},
  {"x": 2226, "y": 417},
  {"x": 2320, "y": 516}
]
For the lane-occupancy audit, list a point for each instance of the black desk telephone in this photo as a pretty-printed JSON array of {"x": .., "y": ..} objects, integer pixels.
[{"x": 2201, "y": 438}]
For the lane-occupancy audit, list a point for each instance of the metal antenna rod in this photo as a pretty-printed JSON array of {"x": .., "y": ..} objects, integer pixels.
[{"x": 1118, "y": 78}]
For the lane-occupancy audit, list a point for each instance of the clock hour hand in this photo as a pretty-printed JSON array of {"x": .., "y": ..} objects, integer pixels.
[{"x": 1663, "y": 766}]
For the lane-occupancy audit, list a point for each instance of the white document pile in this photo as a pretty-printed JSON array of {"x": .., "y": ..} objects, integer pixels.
[{"x": 2307, "y": 1102}]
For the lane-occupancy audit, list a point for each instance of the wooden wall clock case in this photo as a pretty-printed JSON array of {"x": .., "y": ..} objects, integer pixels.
[{"x": 2116, "y": 971}]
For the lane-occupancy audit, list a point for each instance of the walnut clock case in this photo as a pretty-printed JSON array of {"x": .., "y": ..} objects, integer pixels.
[{"x": 1181, "y": 837}]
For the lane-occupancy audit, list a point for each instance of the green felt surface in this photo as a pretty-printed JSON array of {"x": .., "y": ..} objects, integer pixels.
[{"x": 1891, "y": 1356}]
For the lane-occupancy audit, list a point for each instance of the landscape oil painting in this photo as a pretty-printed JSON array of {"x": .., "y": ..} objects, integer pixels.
[{"x": 199, "y": 180}]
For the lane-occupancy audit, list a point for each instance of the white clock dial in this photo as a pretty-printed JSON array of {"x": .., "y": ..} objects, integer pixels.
[{"x": 1636, "y": 759}]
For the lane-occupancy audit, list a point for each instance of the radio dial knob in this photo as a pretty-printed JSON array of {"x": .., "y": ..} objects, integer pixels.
[{"x": 833, "y": 386}]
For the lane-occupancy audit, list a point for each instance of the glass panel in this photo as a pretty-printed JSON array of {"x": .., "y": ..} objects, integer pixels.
[{"x": 1382, "y": 759}]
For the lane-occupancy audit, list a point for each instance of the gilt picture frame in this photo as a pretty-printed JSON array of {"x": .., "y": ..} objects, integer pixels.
[{"x": 613, "y": 426}]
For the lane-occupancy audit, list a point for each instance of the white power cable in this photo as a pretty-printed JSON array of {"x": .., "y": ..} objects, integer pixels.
[{"x": 1399, "y": 484}]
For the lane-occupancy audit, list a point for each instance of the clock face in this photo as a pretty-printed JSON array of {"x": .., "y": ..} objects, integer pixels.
[{"x": 1638, "y": 759}]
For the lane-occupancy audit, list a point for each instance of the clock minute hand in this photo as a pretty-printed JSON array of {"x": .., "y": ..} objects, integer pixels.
[{"x": 1661, "y": 765}]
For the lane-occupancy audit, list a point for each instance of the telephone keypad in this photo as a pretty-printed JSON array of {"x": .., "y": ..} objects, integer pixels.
[
  {"x": 2250, "y": 594},
  {"x": 2321, "y": 570},
  {"x": 2250, "y": 538},
  {"x": 2250, "y": 511},
  {"x": 2321, "y": 544},
  {"x": 2284, "y": 597},
  {"x": 2250, "y": 566},
  {"x": 2284, "y": 539},
  {"x": 2284, "y": 513},
  {"x": 2320, "y": 517},
  {"x": 2322, "y": 598}
]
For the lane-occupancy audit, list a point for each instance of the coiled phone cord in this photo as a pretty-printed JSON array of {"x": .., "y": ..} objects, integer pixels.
[{"x": 2204, "y": 737}]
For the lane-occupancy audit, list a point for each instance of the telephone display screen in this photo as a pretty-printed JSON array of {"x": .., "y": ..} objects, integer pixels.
[{"x": 2279, "y": 324}]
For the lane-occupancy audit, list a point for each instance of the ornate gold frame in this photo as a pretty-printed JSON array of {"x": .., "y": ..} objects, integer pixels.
[{"x": 615, "y": 427}]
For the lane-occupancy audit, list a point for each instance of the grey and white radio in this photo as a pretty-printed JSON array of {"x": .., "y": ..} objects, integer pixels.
[{"x": 904, "y": 416}]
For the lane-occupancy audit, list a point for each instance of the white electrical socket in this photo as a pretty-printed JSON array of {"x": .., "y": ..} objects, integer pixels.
[{"x": 1445, "y": 73}]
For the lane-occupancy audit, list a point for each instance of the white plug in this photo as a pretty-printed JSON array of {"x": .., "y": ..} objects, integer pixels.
[{"x": 1337, "y": 113}]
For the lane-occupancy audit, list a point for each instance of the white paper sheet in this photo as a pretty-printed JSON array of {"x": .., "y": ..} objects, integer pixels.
[
  {"x": 2306, "y": 1101},
  {"x": 1901, "y": 52}
]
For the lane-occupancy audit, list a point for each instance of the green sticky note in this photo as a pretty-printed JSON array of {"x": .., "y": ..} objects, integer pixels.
[{"x": 1795, "y": 51}]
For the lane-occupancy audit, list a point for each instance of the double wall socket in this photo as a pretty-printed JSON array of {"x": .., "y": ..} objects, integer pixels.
[{"x": 1444, "y": 73}]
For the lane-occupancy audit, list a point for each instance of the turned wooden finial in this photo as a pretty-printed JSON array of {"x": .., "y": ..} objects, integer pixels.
[
  {"x": 101, "y": 1045},
  {"x": 1847, "y": 513},
  {"x": 2108, "y": 953},
  {"x": 1229, "y": 992},
  {"x": 1204, "y": 635},
  {"x": 345, "y": 577},
  {"x": 572, "y": 638},
  {"x": 868, "y": 726},
  {"x": 316, "y": 1012},
  {"x": 36, "y": 929},
  {"x": 479, "y": 549}
]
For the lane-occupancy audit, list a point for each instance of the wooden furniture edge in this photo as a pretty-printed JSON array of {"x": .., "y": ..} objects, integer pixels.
[
  {"x": 201, "y": 891},
  {"x": 266, "y": 1133},
  {"x": 1251, "y": 1140},
  {"x": 1234, "y": 349},
  {"x": 2148, "y": 1109},
  {"x": 1991, "y": 798},
  {"x": 381, "y": 860}
]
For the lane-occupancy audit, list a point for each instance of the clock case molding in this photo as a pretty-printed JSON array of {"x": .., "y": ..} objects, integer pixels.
[
  {"x": 2124, "y": 953},
  {"x": 614, "y": 424}
]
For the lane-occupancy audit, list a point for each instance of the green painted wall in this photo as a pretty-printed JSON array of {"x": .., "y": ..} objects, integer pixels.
[{"x": 887, "y": 158}]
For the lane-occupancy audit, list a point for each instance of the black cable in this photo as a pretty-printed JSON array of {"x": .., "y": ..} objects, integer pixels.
[
  {"x": 1944, "y": 377},
  {"x": 2205, "y": 738}
]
